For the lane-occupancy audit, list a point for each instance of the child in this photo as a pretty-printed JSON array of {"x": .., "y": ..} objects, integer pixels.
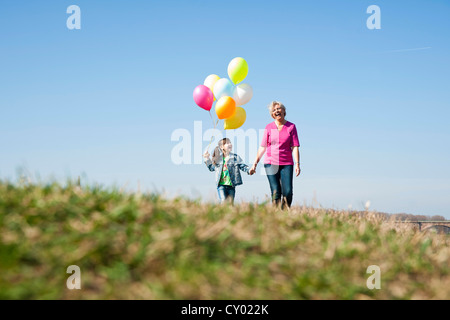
[{"x": 227, "y": 166}]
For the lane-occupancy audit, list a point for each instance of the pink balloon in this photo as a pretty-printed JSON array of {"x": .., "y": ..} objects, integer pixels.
[{"x": 203, "y": 97}]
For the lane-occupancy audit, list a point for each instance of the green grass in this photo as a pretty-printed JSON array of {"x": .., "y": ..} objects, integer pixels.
[{"x": 143, "y": 246}]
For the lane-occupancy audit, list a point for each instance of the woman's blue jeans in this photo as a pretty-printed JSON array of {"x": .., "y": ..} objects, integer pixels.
[
  {"x": 280, "y": 180},
  {"x": 226, "y": 193}
]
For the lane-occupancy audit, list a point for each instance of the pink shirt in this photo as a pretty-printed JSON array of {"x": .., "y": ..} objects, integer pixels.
[{"x": 279, "y": 143}]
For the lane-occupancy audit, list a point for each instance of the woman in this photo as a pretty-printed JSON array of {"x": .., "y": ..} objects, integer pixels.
[{"x": 281, "y": 141}]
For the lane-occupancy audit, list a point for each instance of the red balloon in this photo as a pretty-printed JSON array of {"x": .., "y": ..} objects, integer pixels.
[{"x": 203, "y": 97}]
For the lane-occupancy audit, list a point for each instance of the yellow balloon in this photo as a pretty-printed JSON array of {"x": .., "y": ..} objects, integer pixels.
[
  {"x": 225, "y": 107},
  {"x": 237, "y": 70},
  {"x": 235, "y": 121},
  {"x": 210, "y": 81}
]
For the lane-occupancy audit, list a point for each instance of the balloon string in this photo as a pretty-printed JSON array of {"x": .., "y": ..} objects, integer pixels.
[
  {"x": 211, "y": 118},
  {"x": 215, "y": 125}
]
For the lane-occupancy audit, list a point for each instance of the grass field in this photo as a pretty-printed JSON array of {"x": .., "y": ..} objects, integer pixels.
[{"x": 142, "y": 246}]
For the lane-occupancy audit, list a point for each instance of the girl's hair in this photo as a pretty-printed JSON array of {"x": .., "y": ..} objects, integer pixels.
[
  {"x": 273, "y": 104},
  {"x": 218, "y": 150}
]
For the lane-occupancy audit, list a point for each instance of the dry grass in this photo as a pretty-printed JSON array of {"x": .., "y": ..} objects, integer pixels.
[{"x": 142, "y": 246}]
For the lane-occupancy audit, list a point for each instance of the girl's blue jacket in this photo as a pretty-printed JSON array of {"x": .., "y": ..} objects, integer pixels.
[{"x": 234, "y": 164}]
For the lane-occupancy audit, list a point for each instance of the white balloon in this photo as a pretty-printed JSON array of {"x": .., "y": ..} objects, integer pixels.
[
  {"x": 211, "y": 80},
  {"x": 243, "y": 93}
]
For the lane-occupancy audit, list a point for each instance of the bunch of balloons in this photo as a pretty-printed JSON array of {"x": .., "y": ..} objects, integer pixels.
[{"x": 229, "y": 95}]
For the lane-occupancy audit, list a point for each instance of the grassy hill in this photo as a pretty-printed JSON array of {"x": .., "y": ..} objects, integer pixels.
[{"x": 133, "y": 246}]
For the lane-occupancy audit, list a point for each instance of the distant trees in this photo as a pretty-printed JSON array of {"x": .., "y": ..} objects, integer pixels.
[
  {"x": 437, "y": 218},
  {"x": 416, "y": 217}
]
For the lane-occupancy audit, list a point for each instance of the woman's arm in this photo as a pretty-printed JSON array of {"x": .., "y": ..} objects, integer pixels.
[
  {"x": 295, "y": 149},
  {"x": 259, "y": 155},
  {"x": 296, "y": 152}
]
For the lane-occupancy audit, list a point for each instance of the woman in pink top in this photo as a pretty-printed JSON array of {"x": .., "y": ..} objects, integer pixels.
[{"x": 280, "y": 140}]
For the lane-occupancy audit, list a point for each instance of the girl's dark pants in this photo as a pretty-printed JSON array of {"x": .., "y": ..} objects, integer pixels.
[{"x": 226, "y": 193}]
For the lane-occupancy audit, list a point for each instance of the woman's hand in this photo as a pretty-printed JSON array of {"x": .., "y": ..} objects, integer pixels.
[
  {"x": 206, "y": 155},
  {"x": 297, "y": 169},
  {"x": 260, "y": 153}
]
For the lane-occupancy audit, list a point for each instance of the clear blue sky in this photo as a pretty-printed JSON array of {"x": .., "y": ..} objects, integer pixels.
[{"x": 371, "y": 106}]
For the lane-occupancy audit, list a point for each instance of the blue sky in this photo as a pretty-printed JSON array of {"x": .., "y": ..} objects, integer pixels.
[{"x": 371, "y": 106}]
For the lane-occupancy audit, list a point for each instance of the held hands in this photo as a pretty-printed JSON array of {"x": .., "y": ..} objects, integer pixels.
[{"x": 252, "y": 169}]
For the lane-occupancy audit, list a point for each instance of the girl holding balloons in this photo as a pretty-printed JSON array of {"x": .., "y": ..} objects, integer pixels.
[
  {"x": 227, "y": 166},
  {"x": 230, "y": 95}
]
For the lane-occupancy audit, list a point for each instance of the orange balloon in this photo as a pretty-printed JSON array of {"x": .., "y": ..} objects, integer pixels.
[{"x": 225, "y": 107}]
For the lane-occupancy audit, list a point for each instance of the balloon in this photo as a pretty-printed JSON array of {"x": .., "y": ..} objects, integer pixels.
[
  {"x": 237, "y": 70},
  {"x": 203, "y": 97},
  {"x": 236, "y": 120},
  {"x": 243, "y": 93},
  {"x": 225, "y": 107},
  {"x": 223, "y": 88},
  {"x": 210, "y": 81}
]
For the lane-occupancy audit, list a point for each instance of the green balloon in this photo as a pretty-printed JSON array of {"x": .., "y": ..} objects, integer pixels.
[{"x": 237, "y": 70}]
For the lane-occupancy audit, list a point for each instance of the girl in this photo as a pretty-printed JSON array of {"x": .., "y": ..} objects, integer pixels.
[{"x": 227, "y": 166}]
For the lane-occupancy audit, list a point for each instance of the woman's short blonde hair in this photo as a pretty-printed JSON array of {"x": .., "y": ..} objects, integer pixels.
[{"x": 276, "y": 103}]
